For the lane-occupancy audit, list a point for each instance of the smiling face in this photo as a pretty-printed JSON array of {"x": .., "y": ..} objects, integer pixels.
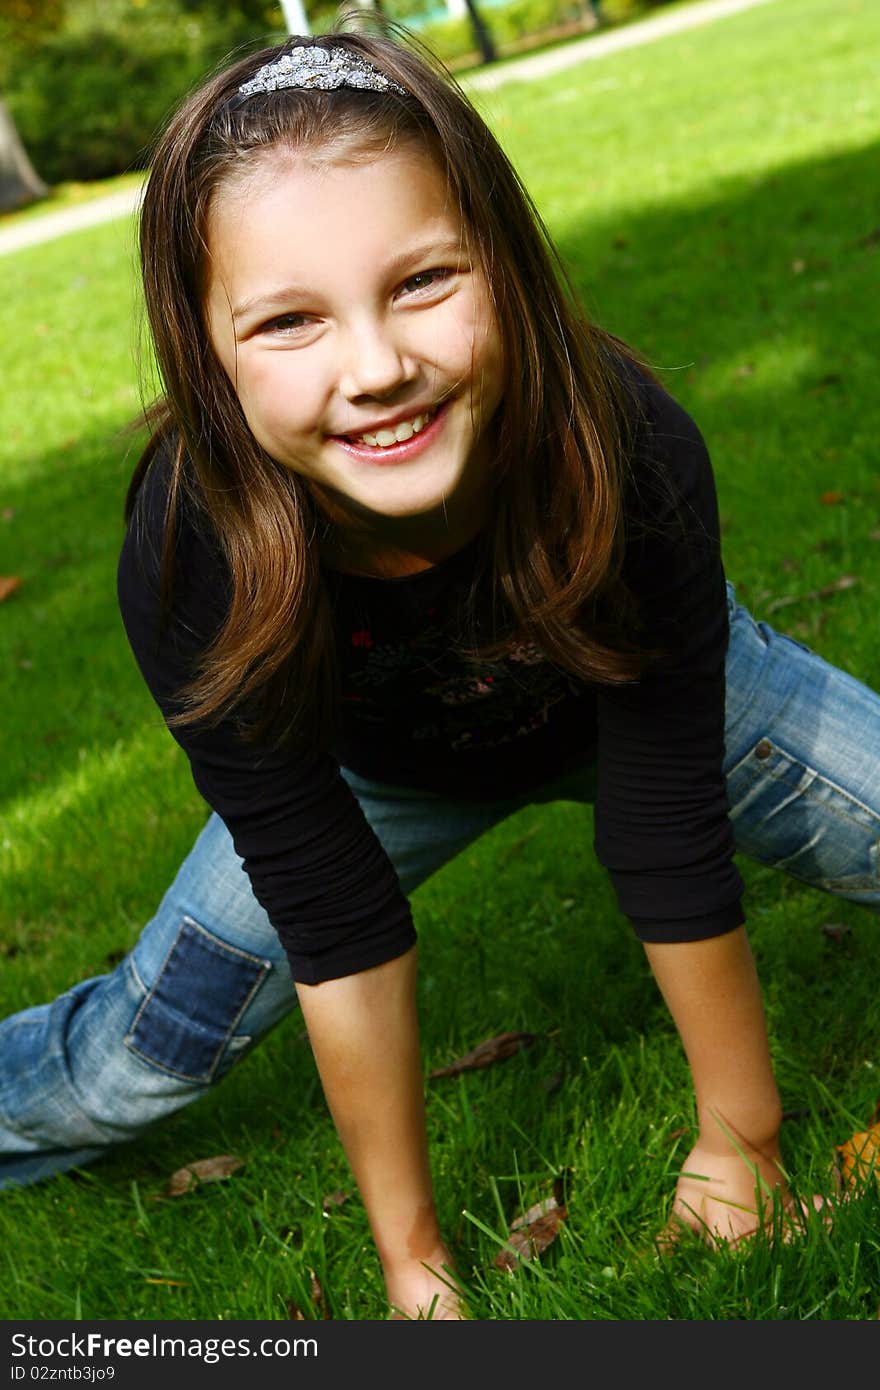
[{"x": 359, "y": 335}]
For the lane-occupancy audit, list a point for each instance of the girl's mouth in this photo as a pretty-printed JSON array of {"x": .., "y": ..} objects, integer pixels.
[{"x": 396, "y": 443}]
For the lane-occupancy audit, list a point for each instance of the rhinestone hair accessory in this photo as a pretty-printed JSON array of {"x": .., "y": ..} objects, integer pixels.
[{"x": 322, "y": 68}]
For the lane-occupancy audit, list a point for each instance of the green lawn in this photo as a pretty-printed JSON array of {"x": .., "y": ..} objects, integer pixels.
[{"x": 716, "y": 196}]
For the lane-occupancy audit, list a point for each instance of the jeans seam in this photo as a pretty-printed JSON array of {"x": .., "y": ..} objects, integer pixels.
[{"x": 817, "y": 776}]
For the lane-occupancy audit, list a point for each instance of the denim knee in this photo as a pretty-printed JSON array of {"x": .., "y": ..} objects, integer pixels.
[
  {"x": 802, "y": 762},
  {"x": 206, "y": 979}
]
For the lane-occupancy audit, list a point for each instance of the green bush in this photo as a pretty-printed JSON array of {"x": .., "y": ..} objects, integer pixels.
[
  {"x": 520, "y": 18},
  {"x": 448, "y": 38},
  {"x": 89, "y": 98},
  {"x": 87, "y": 107}
]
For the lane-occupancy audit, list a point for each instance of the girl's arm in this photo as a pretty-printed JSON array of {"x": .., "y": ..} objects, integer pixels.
[
  {"x": 364, "y": 1033},
  {"x": 712, "y": 990}
]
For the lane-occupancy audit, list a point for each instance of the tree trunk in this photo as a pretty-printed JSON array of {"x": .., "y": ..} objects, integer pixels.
[
  {"x": 481, "y": 33},
  {"x": 18, "y": 182},
  {"x": 295, "y": 18},
  {"x": 360, "y": 23}
]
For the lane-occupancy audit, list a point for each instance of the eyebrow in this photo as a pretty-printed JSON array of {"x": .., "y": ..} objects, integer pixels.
[{"x": 395, "y": 266}]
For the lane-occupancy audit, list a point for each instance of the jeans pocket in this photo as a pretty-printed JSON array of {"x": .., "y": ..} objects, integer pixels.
[
  {"x": 791, "y": 817},
  {"x": 187, "y": 1020}
]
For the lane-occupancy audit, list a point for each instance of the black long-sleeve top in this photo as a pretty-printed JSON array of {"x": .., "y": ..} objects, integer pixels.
[{"x": 415, "y": 712}]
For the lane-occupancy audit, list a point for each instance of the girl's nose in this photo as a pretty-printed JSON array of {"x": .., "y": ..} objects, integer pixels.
[{"x": 373, "y": 363}]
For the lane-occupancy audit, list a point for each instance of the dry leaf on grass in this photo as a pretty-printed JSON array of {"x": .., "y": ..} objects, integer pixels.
[
  {"x": 486, "y": 1054},
  {"x": 836, "y": 930},
  {"x": 858, "y": 1158},
  {"x": 296, "y": 1314},
  {"x": 334, "y": 1199},
  {"x": 838, "y": 586},
  {"x": 531, "y": 1233},
  {"x": 203, "y": 1170},
  {"x": 831, "y": 498},
  {"x": 8, "y": 585}
]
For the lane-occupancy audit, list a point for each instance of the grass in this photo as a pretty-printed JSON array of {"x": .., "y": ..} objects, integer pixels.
[{"x": 715, "y": 196}]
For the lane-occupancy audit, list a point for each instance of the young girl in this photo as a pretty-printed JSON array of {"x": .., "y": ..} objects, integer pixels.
[{"x": 411, "y": 546}]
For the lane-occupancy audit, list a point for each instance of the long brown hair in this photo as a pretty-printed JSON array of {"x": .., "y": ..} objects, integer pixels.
[{"x": 552, "y": 551}]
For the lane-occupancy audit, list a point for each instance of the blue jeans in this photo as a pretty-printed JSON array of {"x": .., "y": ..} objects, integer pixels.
[{"x": 208, "y": 978}]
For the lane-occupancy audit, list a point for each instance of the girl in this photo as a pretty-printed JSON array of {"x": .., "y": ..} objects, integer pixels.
[{"x": 411, "y": 546}]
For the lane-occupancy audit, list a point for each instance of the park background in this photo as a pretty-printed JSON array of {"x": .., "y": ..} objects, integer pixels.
[{"x": 715, "y": 195}]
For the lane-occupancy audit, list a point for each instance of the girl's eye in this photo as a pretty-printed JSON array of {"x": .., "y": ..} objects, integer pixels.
[
  {"x": 425, "y": 280},
  {"x": 288, "y": 324}
]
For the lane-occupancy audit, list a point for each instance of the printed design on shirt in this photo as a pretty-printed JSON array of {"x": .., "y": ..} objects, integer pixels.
[{"x": 425, "y": 691}]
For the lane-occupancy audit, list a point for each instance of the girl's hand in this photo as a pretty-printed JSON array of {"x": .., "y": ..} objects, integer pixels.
[
  {"x": 423, "y": 1289},
  {"x": 728, "y": 1197}
]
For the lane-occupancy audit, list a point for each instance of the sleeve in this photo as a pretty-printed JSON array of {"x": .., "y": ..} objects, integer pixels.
[
  {"x": 661, "y": 819},
  {"x": 314, "y": 863}
]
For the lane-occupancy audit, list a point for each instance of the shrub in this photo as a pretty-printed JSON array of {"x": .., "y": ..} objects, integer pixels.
[{"x": 89, "y": 98}]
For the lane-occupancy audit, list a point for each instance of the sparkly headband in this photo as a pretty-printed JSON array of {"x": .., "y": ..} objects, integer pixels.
[{"x": 324, "y": 68}]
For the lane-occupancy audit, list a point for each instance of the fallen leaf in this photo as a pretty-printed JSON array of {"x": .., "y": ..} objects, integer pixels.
[
  {"x": 8, "y": 513},
  {"x": 531, "y": 1233},
  {"x": 8, "y": 585},
  {"x": 831, "y": 498},
  {"x": 173, "y": 1283},
  {"x": 318, "y": 1296},
  {"x": 294, "y": 1311},
  {"x": 334, "y": 1199},
  {"x": 859, "y": 1157},
  {"x": 746, "y": 369},
  {"x": 846, "y": 581},
  {"x": 203, "y": 1170},
  {"x": 836, "y": 930},
  {"x": 798, "y": 267},
  {"x": 486, "y": 1054},
  {"x": 874, "y": 535},
  {"x": 534, "y": 1213}
]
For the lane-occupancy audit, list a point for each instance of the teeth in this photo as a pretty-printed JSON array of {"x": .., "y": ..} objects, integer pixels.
[{"x": 383, "y": 439}]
